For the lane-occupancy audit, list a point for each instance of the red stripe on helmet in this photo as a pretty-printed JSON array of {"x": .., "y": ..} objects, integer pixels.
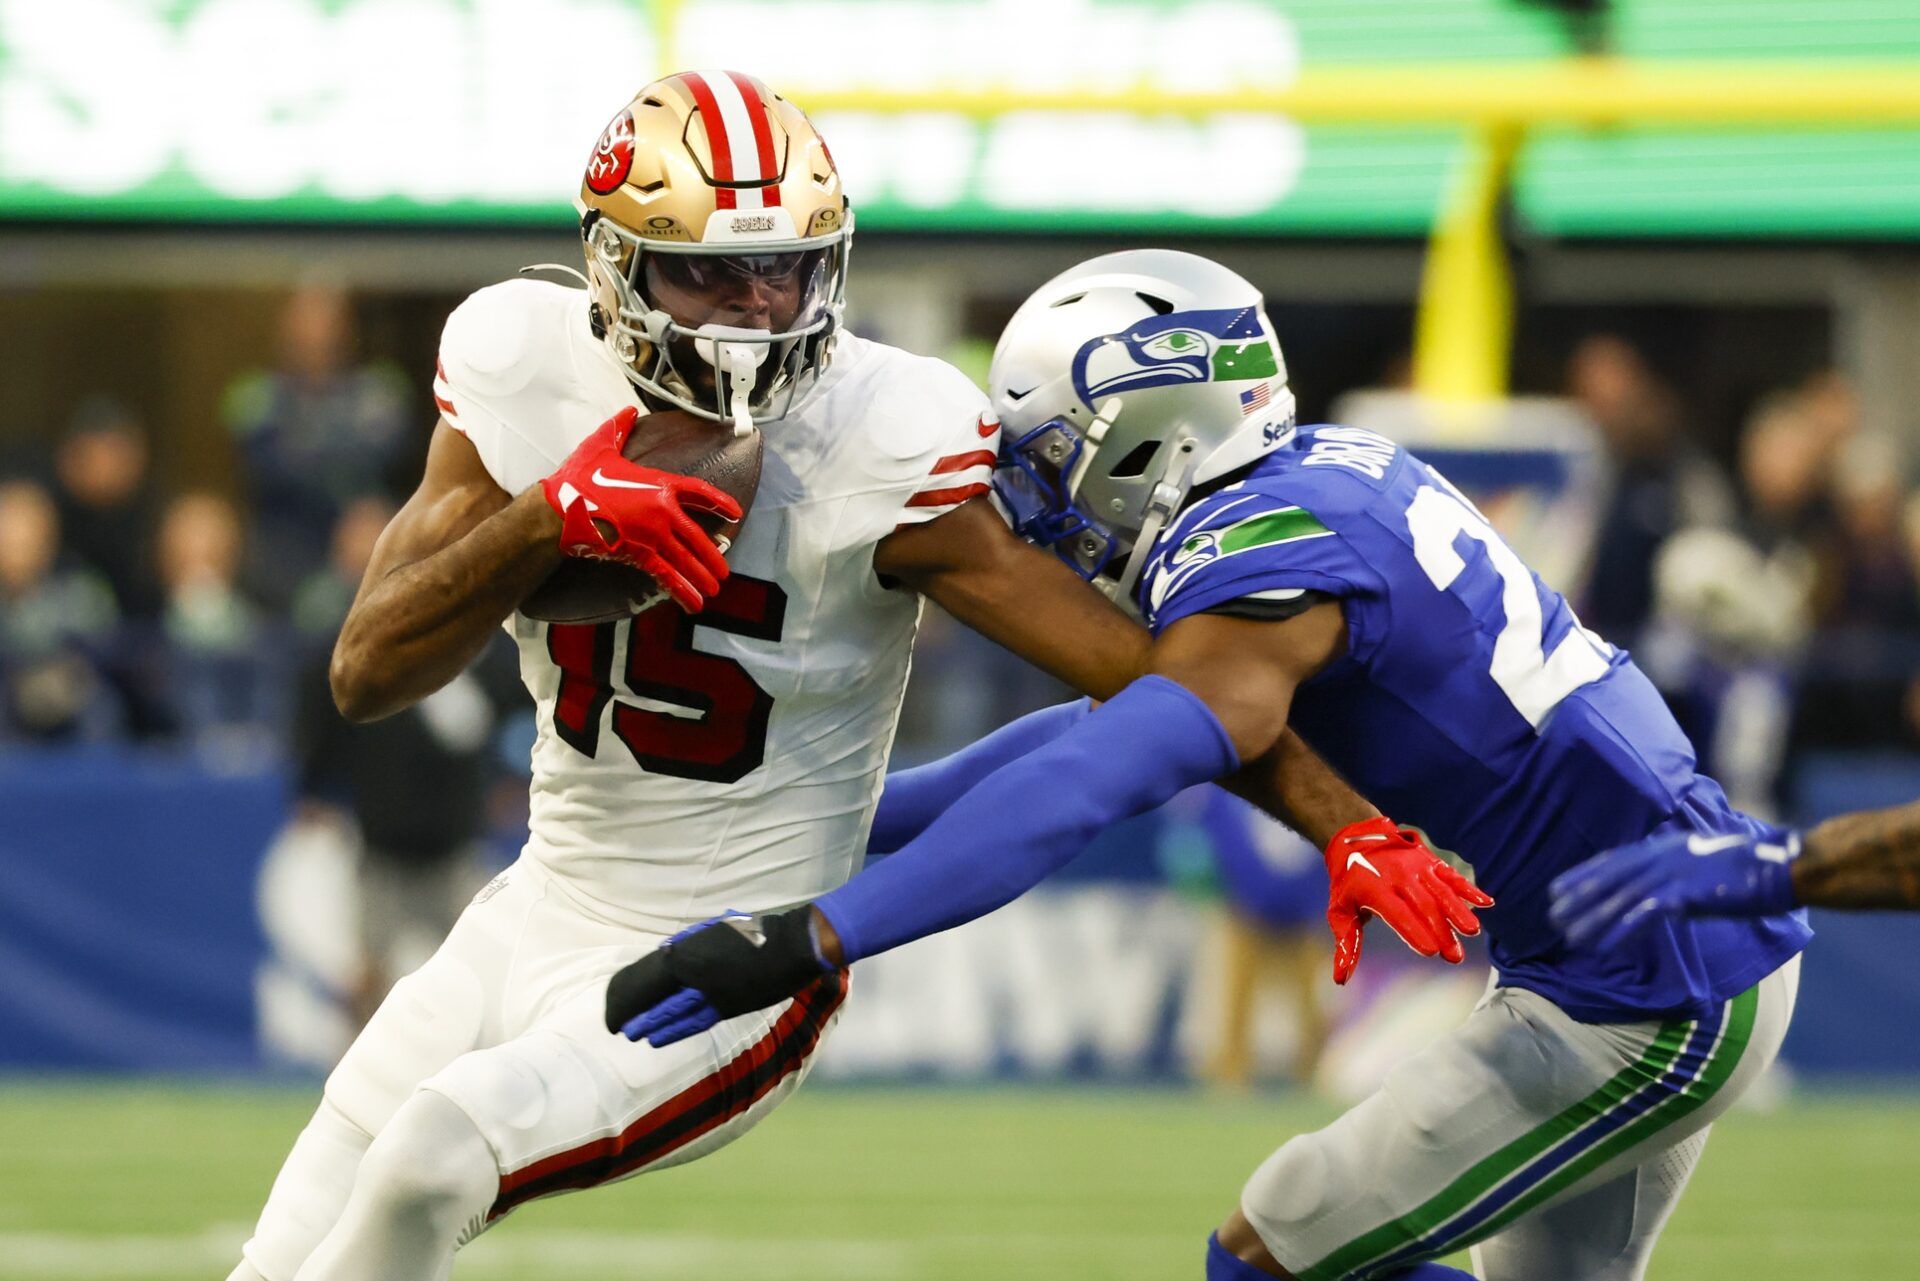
[
  {"x": 762, "y": 135},
  {"x": 716, "y": 127}
]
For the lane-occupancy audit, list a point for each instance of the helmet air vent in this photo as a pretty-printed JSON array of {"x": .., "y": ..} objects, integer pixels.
[
  {"x": 1067, "y": 301},
  {"x": 1161, "y": 306},
  {"x": 1135, "y": 463}
]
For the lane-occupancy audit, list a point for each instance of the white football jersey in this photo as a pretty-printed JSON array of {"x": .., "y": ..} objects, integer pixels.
[{"x": 731, "y": 759}]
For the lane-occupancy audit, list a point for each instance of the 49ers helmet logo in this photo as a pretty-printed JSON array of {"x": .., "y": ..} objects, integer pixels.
[{"x": 612, "y": 157}]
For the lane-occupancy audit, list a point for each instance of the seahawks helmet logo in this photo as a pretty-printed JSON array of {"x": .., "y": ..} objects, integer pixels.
[{"x": 1182, "y": 348}]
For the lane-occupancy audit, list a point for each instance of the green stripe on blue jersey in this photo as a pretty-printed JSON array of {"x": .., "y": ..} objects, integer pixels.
[{"x": 1283, "y": 526}]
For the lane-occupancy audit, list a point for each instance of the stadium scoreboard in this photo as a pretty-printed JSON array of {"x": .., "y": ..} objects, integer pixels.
[{"x": 480, "y": 112}]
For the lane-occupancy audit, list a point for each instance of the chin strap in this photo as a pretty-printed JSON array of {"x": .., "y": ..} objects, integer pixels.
[
  {"x": 1168, "y": 492},
  {"x": 737, "y": 362},
  {"x": 742, "y": 370}
]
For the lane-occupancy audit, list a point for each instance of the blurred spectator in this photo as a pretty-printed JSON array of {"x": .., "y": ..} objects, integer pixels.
[
  {"x": 1270, "y": 928},
  {"x": 1728, "y": 630},
  {"x": 416, "y": 787},
  {"x": 1874, "y": 578},
  {"x": 222, "y": 672},
  {"x": 106, "y": 500},
  {"x": 321, "y": 604},
  {"x": 199, "y": 560},
  {"x": 1661, "y": 481},
  {"x": 1819, "y": 488},
  {"x": 315, "y": 432},
  {"x": 53, "y": 619},
  {"x": 1786, "y": 459}
]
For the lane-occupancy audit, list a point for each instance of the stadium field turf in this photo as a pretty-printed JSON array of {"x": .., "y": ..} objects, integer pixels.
[{"x": 159, "y": 1183}]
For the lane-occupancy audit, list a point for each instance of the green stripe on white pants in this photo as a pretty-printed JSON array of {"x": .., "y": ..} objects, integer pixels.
[{"x": 1520, "y": 1109}]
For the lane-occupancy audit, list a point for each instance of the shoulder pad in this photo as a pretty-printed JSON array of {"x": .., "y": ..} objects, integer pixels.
[
  {"x": 1245, "y": 540},
  {"x": 917, "y": 408},
  {"x": 496, "y": 342},
  {"x": 921, "y": 440}
]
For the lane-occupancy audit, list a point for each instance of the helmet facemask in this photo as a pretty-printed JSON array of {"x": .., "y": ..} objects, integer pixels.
[
  {"x": 1048, "y": 478},
  {"x": 706, "y": 360}
]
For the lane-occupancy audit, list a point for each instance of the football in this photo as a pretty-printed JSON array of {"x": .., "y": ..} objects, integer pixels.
[{"x": 673, "y": 440}]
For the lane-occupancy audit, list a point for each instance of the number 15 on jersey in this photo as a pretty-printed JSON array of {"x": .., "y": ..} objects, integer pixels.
[{"x": 717, "y": 730}]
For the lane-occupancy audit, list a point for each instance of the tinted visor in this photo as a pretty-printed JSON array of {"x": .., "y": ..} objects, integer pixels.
[{"x": 776, "y": 292}]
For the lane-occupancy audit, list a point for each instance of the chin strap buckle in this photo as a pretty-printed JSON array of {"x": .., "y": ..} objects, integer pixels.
[{"x": 743, "y": 370}]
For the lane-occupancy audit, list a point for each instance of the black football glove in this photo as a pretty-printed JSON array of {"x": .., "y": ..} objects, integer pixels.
[{"x": 715, "y": 970}]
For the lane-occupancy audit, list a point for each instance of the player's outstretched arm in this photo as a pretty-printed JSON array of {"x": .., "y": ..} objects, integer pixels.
[
  {"x": 970, "y": 564},
  {"x": 1212, "y": 694},
  {"x": 1864, "y": 861},
  {"x": 1867, "y": 861},
  {"x": 1021, "y": 823},
  {"x": 913, "y": 798},
  {"x": 974, "y": 567}
]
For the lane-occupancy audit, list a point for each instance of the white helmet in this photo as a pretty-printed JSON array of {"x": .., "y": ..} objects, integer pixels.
[{"x": 1120, "y": 385}]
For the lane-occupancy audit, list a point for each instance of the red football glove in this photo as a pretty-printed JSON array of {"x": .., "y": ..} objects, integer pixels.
[
  {"x": 613, "y": 509},
  {"x": 1378, "y": 869}
]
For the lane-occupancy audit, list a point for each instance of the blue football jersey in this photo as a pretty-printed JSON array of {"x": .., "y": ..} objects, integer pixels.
[{"x": 1471, "y": 703}]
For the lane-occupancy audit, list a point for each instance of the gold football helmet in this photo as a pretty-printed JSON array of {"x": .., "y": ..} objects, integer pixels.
[{"x": 716, "y": 239}]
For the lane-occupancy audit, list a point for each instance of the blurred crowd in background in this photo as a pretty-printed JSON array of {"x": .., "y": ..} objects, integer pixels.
[{"x": 1773, "y": 594}]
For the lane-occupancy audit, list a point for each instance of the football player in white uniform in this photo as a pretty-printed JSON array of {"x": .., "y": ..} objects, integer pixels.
[{"x": 725, "y": 754}]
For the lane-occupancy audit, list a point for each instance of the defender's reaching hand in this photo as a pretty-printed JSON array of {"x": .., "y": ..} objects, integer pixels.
[
  {"x": 614, "y": 509},
  {"x": 729, "y": 965},
  {"x": 1604, "y": 900},
  {"x": 1376, "y": 868}
]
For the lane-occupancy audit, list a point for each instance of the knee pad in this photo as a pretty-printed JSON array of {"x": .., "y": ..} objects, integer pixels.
[
  {"x": 431, "y": 1159},
  {"x": 1288, "y": 1188},
  {"x": 525, "y": 1094}
]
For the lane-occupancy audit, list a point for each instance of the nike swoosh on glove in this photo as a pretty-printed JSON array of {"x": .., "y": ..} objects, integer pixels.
[
  {"x": 1605, "y": 900},
  {"x": 614, "y": 509},
  {"x": 1377, "y": 868},
  {"x": 729, "y": 965}
]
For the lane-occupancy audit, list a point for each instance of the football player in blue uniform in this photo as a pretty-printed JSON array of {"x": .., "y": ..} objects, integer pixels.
[{"x": 1326, "y": 579}]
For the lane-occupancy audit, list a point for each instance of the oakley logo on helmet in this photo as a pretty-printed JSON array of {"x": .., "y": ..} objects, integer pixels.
[
  {"x": 612, "y": 158},
  {"x": 1173, "y": 350}
]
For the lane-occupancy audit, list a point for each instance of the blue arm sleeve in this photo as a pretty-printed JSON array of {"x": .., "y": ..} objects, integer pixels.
[
  {"x": 1027, "y": 819},
  {"x": 915, "y": 797}
]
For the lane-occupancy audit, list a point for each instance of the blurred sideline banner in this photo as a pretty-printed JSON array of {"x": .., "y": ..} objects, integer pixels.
[
  {"x": 133, "y": 891},
  {"x": 128, "y": 935},
  {"x": 482, "y": 112}
]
